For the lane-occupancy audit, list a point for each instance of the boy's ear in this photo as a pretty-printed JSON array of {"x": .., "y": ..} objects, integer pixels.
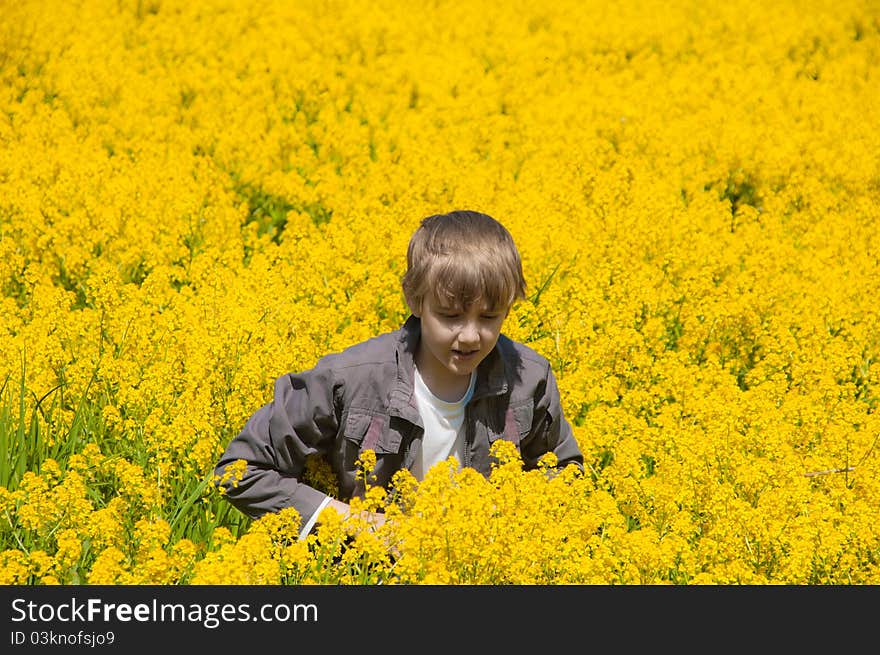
[{"x": 414, "y": 308}]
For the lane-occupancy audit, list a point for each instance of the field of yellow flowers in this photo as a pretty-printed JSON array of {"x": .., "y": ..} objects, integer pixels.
[{"x": 197, "y": 197}]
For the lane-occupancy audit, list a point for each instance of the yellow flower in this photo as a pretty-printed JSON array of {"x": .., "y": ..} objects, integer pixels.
[
  {"x": 109, "y": 568},
  {"x": 15, "y": 569},
  {"x": 232, "y": 475}
]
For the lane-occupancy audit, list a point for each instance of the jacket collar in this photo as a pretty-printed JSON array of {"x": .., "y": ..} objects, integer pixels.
[{"x": 491, "y": 374}]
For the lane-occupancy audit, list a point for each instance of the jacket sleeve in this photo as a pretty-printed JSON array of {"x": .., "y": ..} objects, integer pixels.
[
  {"x": 558, "y": 436},
  {"x": 298, "y": 422}
]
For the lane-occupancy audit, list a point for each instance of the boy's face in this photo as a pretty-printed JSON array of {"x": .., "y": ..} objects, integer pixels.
[{"x": 456, "y": 339}]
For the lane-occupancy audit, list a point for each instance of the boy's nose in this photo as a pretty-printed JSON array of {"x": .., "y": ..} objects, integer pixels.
[{"x": 469, "y": 335}]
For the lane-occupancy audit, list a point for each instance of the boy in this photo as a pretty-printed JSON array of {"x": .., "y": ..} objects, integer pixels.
[{"x": 446, "y": 383}]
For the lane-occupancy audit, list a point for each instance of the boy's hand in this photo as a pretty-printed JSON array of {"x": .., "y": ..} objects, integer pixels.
[{"x": 376, "y": 519}]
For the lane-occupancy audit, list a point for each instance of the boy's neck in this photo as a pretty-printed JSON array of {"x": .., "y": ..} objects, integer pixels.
[{"x": 444, "y": 384}]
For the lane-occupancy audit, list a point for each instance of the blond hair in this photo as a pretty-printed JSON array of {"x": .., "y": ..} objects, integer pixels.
[{"x": 462, "y": 257}]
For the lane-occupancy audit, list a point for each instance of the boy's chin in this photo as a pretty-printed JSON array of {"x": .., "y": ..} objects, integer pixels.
[{"x": 463, "y": 365}]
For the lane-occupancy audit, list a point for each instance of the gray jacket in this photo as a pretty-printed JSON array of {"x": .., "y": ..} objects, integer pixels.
[{"x": 362, "y": 398}]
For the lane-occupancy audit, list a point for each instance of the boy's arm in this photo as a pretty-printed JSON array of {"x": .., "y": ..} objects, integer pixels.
[
  {"x": 299, "y": 421},
  {"x": 559, "y": 436}
]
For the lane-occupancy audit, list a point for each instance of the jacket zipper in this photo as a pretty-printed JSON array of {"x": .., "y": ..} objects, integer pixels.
[
  {"x": 468, "y": 435},
  {"x": 405, "y": 458}
]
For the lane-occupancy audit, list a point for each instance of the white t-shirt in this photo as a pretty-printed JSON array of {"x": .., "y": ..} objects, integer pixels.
[{"x": 444, "y": 435}]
